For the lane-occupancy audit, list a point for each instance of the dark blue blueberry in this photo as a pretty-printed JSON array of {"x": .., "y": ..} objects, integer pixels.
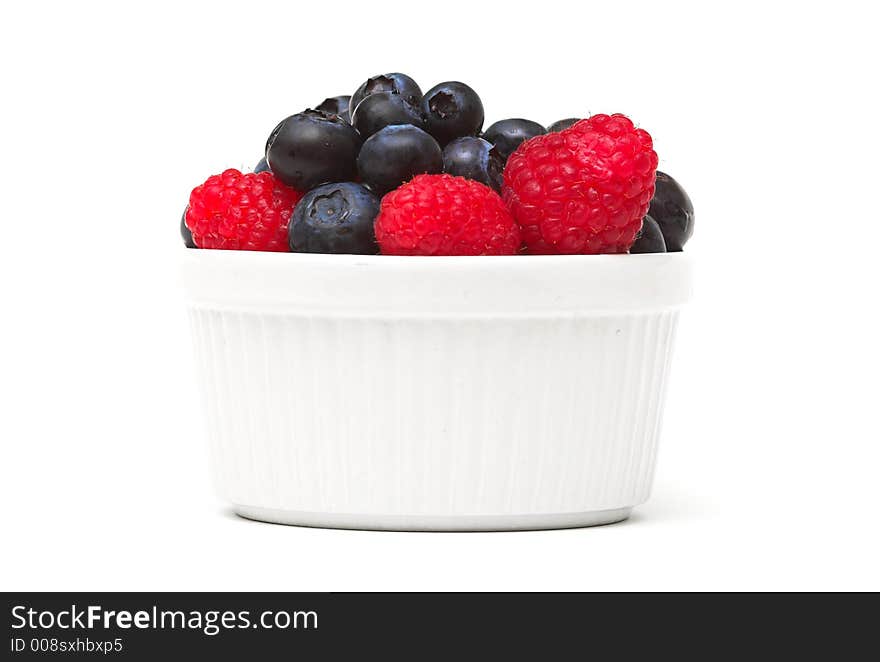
[
  {"x": 384, "y": 109},
  {"x": 336, "y": 106},
  {"x": 185, "y": 233},
  {"x": 475, "y": 159},
  {"x": 335, "y": 218},
  {"x": 396, "y": 154},
  {"x": 452, "y": 110},
  {"x": 272, "y": 135},
  {"x": 649, "y": 239},
  {"x": 262, "y": 166},
  {"x": 400, "y": 83},
  {"x": 507, "y": 135},
  {"x": 312, "y": 148},
  {"x": 561, "y": 125},
  {"x": 672, "y": 209}
]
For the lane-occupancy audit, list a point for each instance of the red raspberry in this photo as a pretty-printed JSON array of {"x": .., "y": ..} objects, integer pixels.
[
  {"x": 582, "y": 190},
  {"x": 236, "y": 211},
  {"x": 445, "y": 215}
]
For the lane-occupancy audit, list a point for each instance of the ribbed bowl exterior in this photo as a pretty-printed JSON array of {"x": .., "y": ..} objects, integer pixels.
[{"x": 417, "y": 413}]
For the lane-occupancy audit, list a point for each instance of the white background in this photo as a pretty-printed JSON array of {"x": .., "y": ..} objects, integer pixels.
[{"x": 766, "y": 112}]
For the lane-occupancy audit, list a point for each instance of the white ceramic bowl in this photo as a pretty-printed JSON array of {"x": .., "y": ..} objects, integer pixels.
[{"x": 434, "y": 393}]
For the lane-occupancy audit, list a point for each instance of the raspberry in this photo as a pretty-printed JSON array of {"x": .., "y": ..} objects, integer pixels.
[
  {"x": 583, "y": 190},
  {"x": 445, "y": 215},
  {"x": 247, "y": 212}
]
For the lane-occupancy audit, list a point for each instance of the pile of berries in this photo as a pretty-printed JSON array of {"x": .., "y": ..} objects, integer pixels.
[{"x": 391, "y": 170}]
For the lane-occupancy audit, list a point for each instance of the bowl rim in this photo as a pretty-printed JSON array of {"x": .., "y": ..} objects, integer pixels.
[
  {"x": 435, "y": 286},
  {"x": 414, "y": 261}
]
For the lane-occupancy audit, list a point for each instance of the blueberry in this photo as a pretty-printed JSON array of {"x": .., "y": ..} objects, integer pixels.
[
  {"x": 452, "y": 110},
  {"x": 262, "y": 165},
  {"x": 649, "y": 239},
  {"x": 312, "y": 148},
  {"x": 475, "y": 159},
  {"x": 561, "y": 125},
  {"x": 185, "y": 233},
  {"x": 335, "y": 218},
  {"x": 272, "y": 135},
  {"x": 507, "y": 135},
  {"x": 672, "y": 209},
  {"x": 384, "y": 109},
  {"x": 400, "y": 83},
  {"x": 395, "y": 154},
  {"x": 336, "y": 106}
]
